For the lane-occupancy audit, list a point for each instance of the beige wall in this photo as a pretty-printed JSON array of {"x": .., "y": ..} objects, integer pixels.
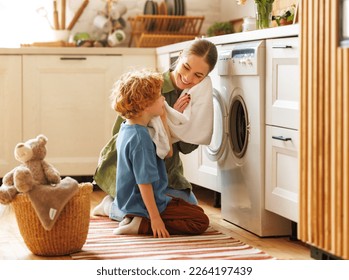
[{"x": 282, "y": 4}]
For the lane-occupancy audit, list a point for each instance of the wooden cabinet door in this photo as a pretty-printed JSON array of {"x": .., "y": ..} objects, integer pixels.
[
  {"x": 11, "y": 110},
  {"x": 282, "y": 174},
  {"x": 283, "y": 82},
  {"x": 66, "y": 98}
]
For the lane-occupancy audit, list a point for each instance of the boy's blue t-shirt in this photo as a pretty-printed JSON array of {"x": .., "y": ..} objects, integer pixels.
[{"x": 138, "y": 163}]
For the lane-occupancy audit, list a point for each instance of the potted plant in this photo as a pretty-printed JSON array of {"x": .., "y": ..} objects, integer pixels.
[
  {"x": 286, "y": 16},
  {"x": 220, "y": 28}
]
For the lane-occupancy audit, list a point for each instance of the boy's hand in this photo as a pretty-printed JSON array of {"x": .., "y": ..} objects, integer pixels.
[
  {"x": 157, "y": 224},
  {"x": 158, "y": 228}
]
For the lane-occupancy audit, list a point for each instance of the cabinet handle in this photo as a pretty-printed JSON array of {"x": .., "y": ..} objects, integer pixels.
[
  {"x": 73, "y": 58},
  {"x": 281, "y": 138},
  {"x": 282, "y": 47}
]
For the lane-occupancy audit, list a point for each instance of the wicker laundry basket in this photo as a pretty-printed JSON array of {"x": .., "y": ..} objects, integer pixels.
[{"x": 69, "y": 233}]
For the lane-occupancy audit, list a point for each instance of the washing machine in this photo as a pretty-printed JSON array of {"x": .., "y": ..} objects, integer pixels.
[{"x": 240, "y": 152}]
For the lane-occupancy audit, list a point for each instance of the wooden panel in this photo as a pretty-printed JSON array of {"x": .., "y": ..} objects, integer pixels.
[
  {"x": 345, "y": 151},
  {"x": 324, "y": 154}
]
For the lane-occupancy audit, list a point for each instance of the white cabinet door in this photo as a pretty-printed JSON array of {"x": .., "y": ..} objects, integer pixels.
[
  {"x": 282, "y": 179},
  {"x": 163, "y": 62},
  {"x": 200, "y": 170},
  {"x": 11, "y": 110},
  {"x": 283, "y": 82},
  {"x": 66, "y": 98}
]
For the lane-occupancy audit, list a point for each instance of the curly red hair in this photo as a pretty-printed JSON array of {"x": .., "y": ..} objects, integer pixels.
[{"x": 135, "y": 91}]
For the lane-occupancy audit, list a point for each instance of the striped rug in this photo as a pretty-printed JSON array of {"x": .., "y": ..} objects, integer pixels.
[{"x": 101, "y": 244}]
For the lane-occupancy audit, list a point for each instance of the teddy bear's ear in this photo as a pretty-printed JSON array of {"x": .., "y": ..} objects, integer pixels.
[{"x": 42, "y": 138}]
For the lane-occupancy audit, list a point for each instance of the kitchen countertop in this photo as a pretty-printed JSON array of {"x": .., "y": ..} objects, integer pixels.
[
  {"x": 76, "y": 51},
  {"x": 269, "y": 33},
  {"x": 275, "y": 32}
]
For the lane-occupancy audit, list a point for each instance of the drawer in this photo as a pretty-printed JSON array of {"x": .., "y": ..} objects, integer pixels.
[
  {"x": 281, "y": 172},
  {"x": 283, "y": 82}
]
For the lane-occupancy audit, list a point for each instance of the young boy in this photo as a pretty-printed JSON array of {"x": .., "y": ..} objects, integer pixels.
[{"x": 141, "y": 175}]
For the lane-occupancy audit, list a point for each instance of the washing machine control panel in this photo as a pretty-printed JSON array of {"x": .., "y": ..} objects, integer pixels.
[{"x": 239, "y": 59}]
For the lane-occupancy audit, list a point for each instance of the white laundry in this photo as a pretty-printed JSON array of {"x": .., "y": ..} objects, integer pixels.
[
  {"x": 194, "y": 125},
  {"x": 159, "y": 136}
]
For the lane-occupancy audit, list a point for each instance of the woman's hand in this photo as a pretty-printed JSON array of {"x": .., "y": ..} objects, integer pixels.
[{"x": 182, "y": 103}]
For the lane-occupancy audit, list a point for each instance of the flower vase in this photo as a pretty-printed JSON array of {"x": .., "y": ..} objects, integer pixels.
[{"x": 263, "y": 15}]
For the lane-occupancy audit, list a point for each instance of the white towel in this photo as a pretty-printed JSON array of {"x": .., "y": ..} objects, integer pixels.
[
  {"x": 159, "y": 136},
  {"x": 194, "y": 125}
]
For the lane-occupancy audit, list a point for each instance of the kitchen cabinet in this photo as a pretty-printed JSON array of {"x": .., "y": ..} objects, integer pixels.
[
  {"x": 11, "y": 110},
  {"x": 282, "y": 127},
  {"x": 200, "y": 170},
  {"x": 66, "y": 98},
  {"x": 283, "y": 82},
  {"x": 282, "y": 176}
]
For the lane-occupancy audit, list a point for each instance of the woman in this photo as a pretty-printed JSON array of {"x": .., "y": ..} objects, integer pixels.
[{"x": 193, "y": 65}]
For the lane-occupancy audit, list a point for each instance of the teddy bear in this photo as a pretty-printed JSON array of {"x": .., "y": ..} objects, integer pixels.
[
  {"x": 38, "y": 179},
  {"x": 33, "y": 167}
]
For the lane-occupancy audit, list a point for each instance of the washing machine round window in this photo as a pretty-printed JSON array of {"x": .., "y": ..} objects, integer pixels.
[
  {"x": 238, "y": 126},
  {"x": 215, "y": 149}
]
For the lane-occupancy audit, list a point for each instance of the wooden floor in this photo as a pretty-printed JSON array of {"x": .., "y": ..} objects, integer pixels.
[{"x": 12, "y": 246}]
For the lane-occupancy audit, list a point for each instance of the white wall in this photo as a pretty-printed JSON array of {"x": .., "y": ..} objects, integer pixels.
[{"x": 20, "y": 23}]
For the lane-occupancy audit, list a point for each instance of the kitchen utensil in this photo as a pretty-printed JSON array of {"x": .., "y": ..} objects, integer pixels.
[
  {"x": 162, "y": 8},
  {"x": 117, "y": 37},
  {"x": 149, "y": 8},
  {"x": 183, "y": 8},
  {"x": 78, "y": 14},
  {"x": 55, "y": 15},
  {"x": 102, "y": 23},
  {"x": 177, "y": 8},
  {"x": 43, "y": 12},
  {"x": 61, "y": 35},
  {"x": 249, "y": 24},
  {"x": 170, "y": 7},
  {"x": 63, "y": 8},
  {"x": 117, "y": 10},
  {"x": 122, "y": 22}
]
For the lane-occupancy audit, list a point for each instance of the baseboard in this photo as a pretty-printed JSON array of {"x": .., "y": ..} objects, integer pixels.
[{"x": 319, "y": 254}]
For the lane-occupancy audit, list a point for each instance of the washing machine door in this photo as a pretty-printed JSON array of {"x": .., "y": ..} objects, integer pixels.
[
  {"x": 238, "y": 125},
  {"x": 215, "y": 149}
]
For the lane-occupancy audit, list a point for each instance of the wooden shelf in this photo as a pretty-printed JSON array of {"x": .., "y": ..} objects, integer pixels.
[{"x": 157, "y": 30}]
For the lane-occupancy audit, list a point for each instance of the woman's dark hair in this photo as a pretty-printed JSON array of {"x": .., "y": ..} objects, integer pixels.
[{"x": 205, "y": 49}]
